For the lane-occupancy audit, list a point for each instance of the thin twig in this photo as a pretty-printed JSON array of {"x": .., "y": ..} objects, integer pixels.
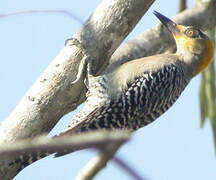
[
  {"x": 99, "y": 162},
  {"x": 33, "y": 11},
  {"x": 131, "y": 171}
]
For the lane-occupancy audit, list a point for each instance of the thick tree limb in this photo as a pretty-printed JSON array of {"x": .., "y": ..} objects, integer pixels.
[{"x": 53, "y": 94}]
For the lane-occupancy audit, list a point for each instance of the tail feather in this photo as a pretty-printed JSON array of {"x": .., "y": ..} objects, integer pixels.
[
  {"x": 27, "y": 159},
  {"x": 59, "y": 154}
]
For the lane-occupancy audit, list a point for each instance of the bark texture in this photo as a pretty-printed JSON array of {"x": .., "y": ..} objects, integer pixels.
[{"x": 53, "y": 94}]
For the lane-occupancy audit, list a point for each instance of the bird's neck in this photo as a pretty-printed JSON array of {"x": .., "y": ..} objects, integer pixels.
[
  {"x": 196, "y": 58},
  {"x": 191, "y": 61},
  {"x": 195, "y": 63}
]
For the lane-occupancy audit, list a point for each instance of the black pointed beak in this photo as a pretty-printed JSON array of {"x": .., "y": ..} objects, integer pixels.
[{"x": 170, "y": 25}]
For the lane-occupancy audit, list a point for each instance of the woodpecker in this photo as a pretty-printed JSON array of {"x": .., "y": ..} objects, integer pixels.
[{"x": 134, "y": 94}]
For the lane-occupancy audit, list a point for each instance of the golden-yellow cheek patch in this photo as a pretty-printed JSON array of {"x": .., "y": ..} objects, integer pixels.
[
  {"x": 207, "y": 58},
  {"x": 179, "y": 34},
  {"x": 181, "y": 28},
  {"x": 194, "y": 47}
]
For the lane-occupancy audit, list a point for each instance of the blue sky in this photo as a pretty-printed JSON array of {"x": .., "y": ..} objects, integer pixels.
[{"x": 173, "y": 147}]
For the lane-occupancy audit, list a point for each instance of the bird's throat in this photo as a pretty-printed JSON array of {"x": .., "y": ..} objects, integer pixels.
[{"x": 206, "y": 58}]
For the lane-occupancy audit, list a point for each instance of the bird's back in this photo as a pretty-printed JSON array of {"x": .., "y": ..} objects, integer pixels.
[{"x": 137, "y": 101}]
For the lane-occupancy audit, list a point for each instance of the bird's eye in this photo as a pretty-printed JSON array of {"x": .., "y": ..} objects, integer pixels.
[{"x": 192, "y": 33}]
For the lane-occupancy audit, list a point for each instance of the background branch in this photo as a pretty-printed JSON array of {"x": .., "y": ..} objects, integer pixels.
[
  {"x": 99, "y": 162},
  {"x": 182, "y": 5},
  {"x": 131, "y": 171},
  {"x": 157, "y": 40},
  {"x": 33, "y": 11}
]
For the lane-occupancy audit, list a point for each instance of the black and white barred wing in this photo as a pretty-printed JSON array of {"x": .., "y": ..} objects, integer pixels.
[{"x": 145, "y": 98}]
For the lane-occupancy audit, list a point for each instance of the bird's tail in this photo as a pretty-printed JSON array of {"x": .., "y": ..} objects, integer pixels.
[{"x": 26, "y": 159}]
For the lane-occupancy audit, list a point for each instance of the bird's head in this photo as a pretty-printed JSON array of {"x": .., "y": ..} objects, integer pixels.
[{"x": 191, "y": 43}]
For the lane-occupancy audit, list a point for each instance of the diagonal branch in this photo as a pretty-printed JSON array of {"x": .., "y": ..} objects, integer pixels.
[
  {"x": 131, "y": 171},
  {"x": 99, "y": 162},
  {"x": 53, "y": 94},
  {"x": 157, "y": 40}
]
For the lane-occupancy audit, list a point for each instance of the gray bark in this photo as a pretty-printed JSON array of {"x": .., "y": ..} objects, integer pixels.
[{"x": 53, "y": 94}]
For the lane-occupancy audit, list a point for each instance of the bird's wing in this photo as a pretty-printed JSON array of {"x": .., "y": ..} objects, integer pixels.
[
  {"x": 117, "y": 112},
  {"x": 144, "y": 99},
  {"x": 76, "y": 126}
]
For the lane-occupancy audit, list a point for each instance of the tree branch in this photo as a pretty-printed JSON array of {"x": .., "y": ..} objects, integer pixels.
[
  {"x": 98, "y": 163},
  {"x": 182, "y": 5},
  {"x": 53, "y": 94},
  {"x": 97, "y": 139},
  {"x": 158, "y": 40},
  {"x": 31, "y": 11},
  {"x": 131, "y": 171}
]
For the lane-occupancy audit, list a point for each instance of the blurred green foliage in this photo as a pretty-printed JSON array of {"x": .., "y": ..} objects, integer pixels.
[
  {"x": 208, "y": 93},
  {"x": 207, "y": 86}
]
